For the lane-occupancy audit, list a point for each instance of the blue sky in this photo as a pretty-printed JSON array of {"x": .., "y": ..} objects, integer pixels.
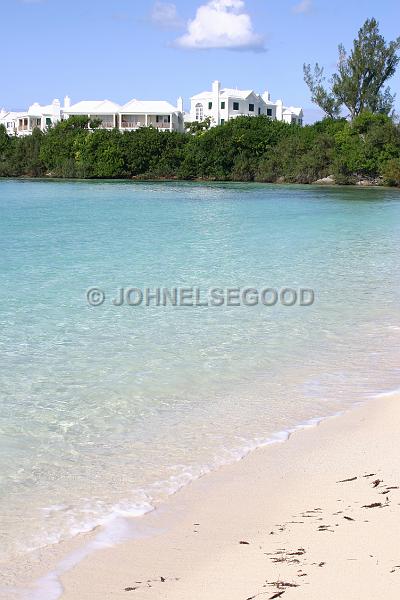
[{"x": 123, "y": 49}]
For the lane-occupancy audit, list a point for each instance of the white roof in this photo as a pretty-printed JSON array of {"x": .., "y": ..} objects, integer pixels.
[
  {"x": 227, "y": 93},
  {"x": 37, "y": 110},
  {"x": 268, "y": 102},
  {"x": 10, "y": 115},
  {"x": 93, "y": 107},
  {"x": 148, "y": 106},
  {"x": 230, "y": 92},
  {"x": 293, "y": 110}
]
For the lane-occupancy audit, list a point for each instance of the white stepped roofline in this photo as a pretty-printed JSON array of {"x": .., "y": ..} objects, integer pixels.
[
  {"x": 45, "y": 110},
  {"x": 201, "y": 95},
  {"x": 226, "y": 92},
  {"x": 296, "y": 110},
  {"x": 234, "y": 93}
]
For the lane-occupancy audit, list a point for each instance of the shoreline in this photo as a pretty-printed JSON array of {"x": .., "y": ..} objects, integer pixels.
[
  {"x": 112, "y": 530},
  {"x": 363, "y": 184},
  {"x": 153, "y": 540}
]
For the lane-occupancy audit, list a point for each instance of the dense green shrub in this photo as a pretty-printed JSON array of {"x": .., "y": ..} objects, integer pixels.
[
  {"x": 391, "y": 172},
  {"x": 244, "y": 149}
]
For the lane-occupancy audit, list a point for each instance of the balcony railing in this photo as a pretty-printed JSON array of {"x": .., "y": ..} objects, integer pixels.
[
  {"x": 131, "y": 124},
  {"x": 137, "y": 124}
]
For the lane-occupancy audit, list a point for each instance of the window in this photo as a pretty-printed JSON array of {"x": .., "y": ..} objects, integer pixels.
[
  {"x": 236, "y": 106},
  {"x": 269, "y": 112},
  {"x": 199, "y": 111},
  {"x": 222, "y": 121},
  {"x": 48, "y": 121},
  {"x": 209, "y": 105},
  {"x": 251, "y": 107},
  {"x": 300, "y": 121},
  {"x": 163, "y": 119},
  {"x": 259, "y": 110},
  {"x": 222, "y": 105}
]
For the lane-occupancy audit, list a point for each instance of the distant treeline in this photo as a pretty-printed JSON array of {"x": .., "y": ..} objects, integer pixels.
[{"x": 244, "y": 149}]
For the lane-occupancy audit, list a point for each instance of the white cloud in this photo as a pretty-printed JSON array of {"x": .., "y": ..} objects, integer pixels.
[
  {"x": 302, "y": 7},
  {"x": 165, "y": 14},
  {"x": 221, "y": 24}
]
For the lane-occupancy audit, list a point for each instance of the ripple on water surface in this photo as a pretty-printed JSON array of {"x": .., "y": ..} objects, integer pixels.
[{"x": 104, "y": 411}]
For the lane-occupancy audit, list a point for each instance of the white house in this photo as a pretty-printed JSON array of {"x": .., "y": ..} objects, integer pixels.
[
  {"x": 38, "y": 117},
  {"x": 10, "y": 120},
  {"x": 105, "y": 111},
  {"x": 151, "y": 113},
  {"x": 223, "y": 104},
  {"x": 132, "y": 115}
]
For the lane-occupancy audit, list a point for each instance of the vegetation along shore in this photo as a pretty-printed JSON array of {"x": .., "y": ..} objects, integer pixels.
[{"x": 358, "y": 141}]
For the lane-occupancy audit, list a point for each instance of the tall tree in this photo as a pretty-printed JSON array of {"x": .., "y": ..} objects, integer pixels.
[
  {"x": 359, "y": 84},
  {"x": 323, "y": 98}
]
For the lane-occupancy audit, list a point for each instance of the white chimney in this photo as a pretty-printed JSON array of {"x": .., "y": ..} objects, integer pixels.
[
  {"x": 267, "y": 96},
  {"x": 279, "y": 110},
  {"x": 179, "y": 104},
  {"x": 216, "y": 92},
  {"x": 67, "y": 102},
  {"x": 216, "y": 87},
  {"x": 56, "y": 108}
]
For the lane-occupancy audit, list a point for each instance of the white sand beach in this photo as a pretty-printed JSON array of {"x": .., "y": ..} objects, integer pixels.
[{"x": 315, "y": 517}]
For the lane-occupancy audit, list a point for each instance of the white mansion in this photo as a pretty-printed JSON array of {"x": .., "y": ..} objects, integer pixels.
[
  {"x": 223, "y": 104},
  {"x": 219, "y": 104}
]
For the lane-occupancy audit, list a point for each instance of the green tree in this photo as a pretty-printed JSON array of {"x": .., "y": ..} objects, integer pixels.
[
  {"x": 26, "y": 158},
  {"x": 391, "y": 172},
  {"x": 198, "y": 127},
  {"x": 6, "y": 151},
  {"x": 100, "y": 154},
  {"x": 60, "y": 146},
  {"x": 359, "y": 84},
  {"x": 320, "y": 96},
  {"x": 243, "y": 149}
]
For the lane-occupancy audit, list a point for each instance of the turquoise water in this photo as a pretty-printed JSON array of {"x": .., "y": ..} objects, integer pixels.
[{"x": 106, "y": 410}]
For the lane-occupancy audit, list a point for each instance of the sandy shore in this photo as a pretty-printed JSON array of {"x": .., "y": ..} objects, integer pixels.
[{"x": 316, "y": 517}]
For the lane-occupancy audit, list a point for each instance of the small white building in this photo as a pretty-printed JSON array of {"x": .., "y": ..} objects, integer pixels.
[
  {"x": 38, "y": 117},
  {"x": 223, "y": 104},
  {"x": 10, "y": 120}
]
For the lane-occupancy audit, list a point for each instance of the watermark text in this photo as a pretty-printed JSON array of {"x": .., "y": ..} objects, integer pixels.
[{"x": 198, "y": 297}]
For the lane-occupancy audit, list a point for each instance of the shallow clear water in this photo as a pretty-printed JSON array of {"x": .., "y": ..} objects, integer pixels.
[{"x": 107, "y": 409}]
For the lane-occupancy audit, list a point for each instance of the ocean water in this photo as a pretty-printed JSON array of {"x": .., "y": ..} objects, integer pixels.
[{"x": 105, "y": 410}]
